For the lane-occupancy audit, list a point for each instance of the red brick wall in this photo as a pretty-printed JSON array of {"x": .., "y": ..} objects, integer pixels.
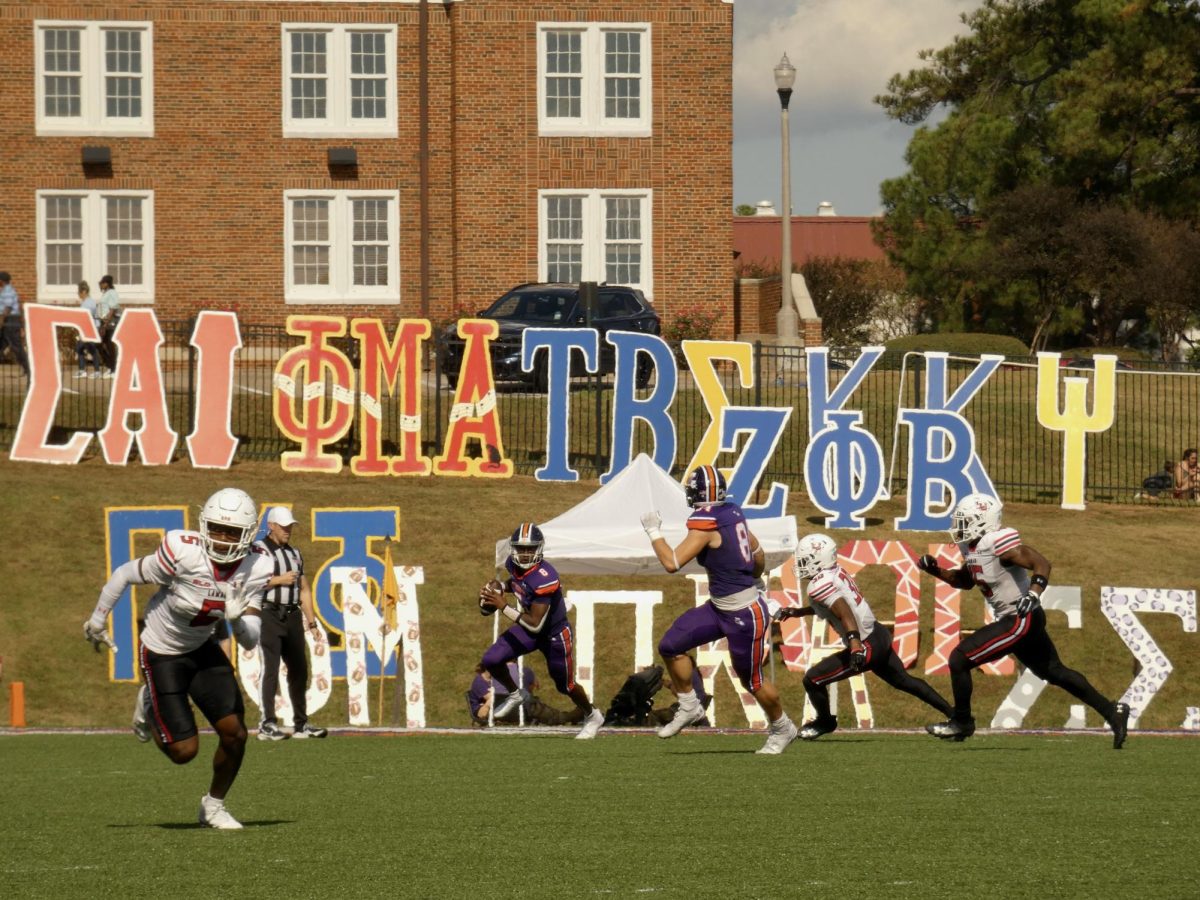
[{"x": 219, "y": 165}]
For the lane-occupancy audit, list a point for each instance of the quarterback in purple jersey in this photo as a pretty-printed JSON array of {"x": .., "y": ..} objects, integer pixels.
[
  {"x": 998, "y": 562},
  {"x": 206, "y": 578},
  {"x": 540, "y": 623},
  {"x": 719, "y": 539}
]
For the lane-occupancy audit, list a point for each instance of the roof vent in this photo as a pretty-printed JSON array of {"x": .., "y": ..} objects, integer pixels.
[
  {"x": 825, "y": 208},
  {"x": 765, "y": 208}
]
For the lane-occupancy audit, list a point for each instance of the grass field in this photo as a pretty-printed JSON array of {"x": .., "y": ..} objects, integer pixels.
[{"x": 510, "y": 815}]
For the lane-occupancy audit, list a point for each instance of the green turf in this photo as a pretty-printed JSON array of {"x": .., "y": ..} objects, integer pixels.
[{"x": 495, "y": 815}]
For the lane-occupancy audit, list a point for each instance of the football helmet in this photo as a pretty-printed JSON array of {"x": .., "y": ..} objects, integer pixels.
[
  {"x": 973, "y": 517},
  {"x": 705, "y": 486},
  {"x": 815, "y": 553},
  {"x": 232, "y": 509},
  {"x": 526, "y": 543}
]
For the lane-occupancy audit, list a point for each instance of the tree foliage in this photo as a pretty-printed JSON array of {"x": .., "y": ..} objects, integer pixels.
[
  {"x": 859, "y": 301},
  {"x": 1054, "y": 110}
]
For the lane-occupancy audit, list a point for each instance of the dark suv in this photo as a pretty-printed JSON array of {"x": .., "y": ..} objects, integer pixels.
[{"x": 616, "y": 308}]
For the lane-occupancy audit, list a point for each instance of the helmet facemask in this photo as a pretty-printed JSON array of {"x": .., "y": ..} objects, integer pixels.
[
  {"x": 526, "y": 545},
  {"x": 232, "y": 513}
]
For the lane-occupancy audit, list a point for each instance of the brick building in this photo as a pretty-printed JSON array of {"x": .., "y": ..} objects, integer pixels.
[{"x": 274, "y": 157}]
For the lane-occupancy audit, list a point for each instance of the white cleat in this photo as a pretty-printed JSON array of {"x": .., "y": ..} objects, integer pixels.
[
  {"x": 141, "y": 725},
  {"x": 213, "y": 814},
  {"x": 591, "y": 725},
  {"x": 684, "y": 716},
  {"x": 777, "y": 741},
  {"x": 510, "y": 703}
]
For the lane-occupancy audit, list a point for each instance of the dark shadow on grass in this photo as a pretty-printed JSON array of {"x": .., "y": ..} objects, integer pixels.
[{"x": 196, "y": 826}]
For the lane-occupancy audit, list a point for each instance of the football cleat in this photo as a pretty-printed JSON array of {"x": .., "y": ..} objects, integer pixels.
[
  {"x": 1120, "y": 725},
  {"x": 307, "y": 731},
  {"x": 778, "y": 740},
  {"x": 952, "y": 730},
  {"x": 591, "y": 724},
  {"x": 141, "y": 724},
  {"x": 684, "y": 716},
  {"x": 269, "y": 731},
  {"x": 213, "y": 814},
  {"x": 814, "y": 728},
  {"x": 510, "y": 703}
]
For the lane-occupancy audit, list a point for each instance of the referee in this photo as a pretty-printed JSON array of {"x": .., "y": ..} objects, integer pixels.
[{"x": 287, "y": 610}]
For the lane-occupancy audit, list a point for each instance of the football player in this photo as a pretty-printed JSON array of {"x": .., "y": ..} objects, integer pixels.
[
  {"x": 834, "y": 597},
  {"x": 999, "y": 563},
  {"x": 719, "y": 539},
  {"x": 539, "y": 619},
  {"x": 207, "y": 578}
]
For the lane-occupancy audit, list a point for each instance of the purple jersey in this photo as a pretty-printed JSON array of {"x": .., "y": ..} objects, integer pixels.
[
  {"x": 730, "y": 567},
  {"x": 539, "y": 584}
]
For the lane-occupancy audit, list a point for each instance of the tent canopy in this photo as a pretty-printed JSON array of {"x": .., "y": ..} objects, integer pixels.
[{"x": 603, "y": 535}]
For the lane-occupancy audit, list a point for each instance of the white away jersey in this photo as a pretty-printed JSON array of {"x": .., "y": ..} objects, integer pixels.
[
  {"x": 824, "y": 590},
  {"x": 1002, "y": 585},
  {"x": 181, "y": 615}
]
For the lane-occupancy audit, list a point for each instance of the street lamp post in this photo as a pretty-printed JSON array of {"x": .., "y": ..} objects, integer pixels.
[{"x": 786, "y": 324}]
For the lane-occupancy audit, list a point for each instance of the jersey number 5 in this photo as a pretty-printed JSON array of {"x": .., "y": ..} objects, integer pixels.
[{"x": 205, "y": 616}]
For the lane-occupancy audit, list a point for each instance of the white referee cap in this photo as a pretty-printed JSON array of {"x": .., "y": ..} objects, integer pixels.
[{"x": 281, "y": 515}]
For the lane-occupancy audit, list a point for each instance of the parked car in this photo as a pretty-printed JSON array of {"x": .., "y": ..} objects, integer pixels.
[{"x": 617, "y": 308}]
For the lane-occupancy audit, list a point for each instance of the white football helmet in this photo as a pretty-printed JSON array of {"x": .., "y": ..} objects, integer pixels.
[
  {"x": 815, "y": 553},
  {"x": 973, "y": 517},
  {"x": 232, "y": 509}
]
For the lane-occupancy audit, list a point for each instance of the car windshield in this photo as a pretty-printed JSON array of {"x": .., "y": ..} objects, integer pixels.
[{"x": 532, "y": 306}]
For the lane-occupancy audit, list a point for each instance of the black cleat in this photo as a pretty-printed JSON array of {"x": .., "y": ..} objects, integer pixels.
[
  {"x": 952, "y": 730},
  {"x": 1120, "y": 725},
  {"x": 816, "y": 727}
]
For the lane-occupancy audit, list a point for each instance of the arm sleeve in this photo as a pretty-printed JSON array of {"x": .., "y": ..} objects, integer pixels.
[{"x": 145, "y": 570}]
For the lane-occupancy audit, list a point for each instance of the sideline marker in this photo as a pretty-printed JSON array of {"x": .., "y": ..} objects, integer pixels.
[{"x": 16, "y": 704}]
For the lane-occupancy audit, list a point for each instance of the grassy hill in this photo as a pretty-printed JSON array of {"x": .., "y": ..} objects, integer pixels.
[{"x": 54, "y": 565}]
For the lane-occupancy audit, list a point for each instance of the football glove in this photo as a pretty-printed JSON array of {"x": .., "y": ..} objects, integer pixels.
[
  {"x": 97, "y": 636},
  {"x": 927, "y": 564},
  {"x": 1028, "y": 603},
  {"x": 858, "y": 658},
  {"x": 236, "y": 603},
  {"x": 774, "y": 609},
  {"x": 489, "y": 594},
  {"x": 652, "y": 523}
]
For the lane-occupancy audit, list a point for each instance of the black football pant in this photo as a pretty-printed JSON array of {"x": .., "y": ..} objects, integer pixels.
[
  {"x": 882, "y": 660},
  {"x": 1026, "y": 639},
  {"x": 283, "y": 636}
]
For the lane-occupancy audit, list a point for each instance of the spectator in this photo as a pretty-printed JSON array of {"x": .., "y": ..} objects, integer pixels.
[
  {"x": 108, "y": 311},
  {"x": 1187, "y": 476},
  {"x": 485, "y": 694},
  {"x": 12, "y": 334},
  {"x": 287, "y": 610},
  {"x": 85, "y": 350}
]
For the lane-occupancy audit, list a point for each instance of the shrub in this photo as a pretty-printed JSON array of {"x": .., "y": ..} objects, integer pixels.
[
  {"x": 696, "y": 321},
  {"x": 964, "y": 343}
]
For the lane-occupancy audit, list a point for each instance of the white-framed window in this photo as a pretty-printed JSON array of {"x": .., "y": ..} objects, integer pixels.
[
  {"x": 341, "y": 246},
  {"x": 596, "y": 235},
  {"x": 339, "y": 80},
  {"x": 594, "y": 78},
  {"x": 94, "y": 78},
  {"x": 83, "y": 235}
]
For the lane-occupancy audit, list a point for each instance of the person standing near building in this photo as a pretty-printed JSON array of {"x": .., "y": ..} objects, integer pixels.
[
  {"x": 207, "y": 578},
  {"x": 287, "y": 612},
  {"x": 108, "y": 311},
  {"x": 12, "y": 332},
  {"x": 834, "y": 597},
  {"x": 998, "y": 562},
  {"x": 85, "y": 350},
  {"x": 719, "y": 538}
]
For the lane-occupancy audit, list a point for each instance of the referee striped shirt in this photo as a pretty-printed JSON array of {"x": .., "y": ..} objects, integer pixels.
[{"x": 286, "y": 559}]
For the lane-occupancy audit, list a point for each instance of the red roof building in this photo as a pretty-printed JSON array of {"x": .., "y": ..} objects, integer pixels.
[{"x": 757, "y": 239}]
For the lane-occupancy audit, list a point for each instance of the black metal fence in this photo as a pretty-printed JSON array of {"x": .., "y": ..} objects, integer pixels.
[{"x": 1157, "y": 414}]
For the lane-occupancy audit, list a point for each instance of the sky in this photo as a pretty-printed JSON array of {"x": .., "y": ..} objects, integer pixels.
[{"x": 844, "y": 51}]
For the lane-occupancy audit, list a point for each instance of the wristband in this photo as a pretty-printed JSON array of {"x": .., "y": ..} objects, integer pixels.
[
  {"x": 851, "y": 636},
  {"x": 654, "y": 534},
  {"x": 510, "y": 613},
  {"x": 1039, "y": 581}
]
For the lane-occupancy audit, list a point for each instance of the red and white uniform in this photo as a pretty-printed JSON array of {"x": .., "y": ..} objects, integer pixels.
[
  {"x": 181, "y": 615},
  {"x": 824, "y": 590},
  {"x": 1002, "y": 585}
]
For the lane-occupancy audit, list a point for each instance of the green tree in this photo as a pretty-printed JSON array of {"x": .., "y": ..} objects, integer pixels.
[
  {"x": 743, "y": 209},
  {"x": 1098, "y": 98}
]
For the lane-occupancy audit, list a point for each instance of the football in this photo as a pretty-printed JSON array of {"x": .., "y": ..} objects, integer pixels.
[{"x": 494, "y": 587}]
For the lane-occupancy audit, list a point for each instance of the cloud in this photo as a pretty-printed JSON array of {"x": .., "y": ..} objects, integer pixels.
[{"x": 844, "y": 52}]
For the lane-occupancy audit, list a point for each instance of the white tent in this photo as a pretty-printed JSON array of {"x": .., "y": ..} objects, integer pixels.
[{"x": 603, "y": 535}]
